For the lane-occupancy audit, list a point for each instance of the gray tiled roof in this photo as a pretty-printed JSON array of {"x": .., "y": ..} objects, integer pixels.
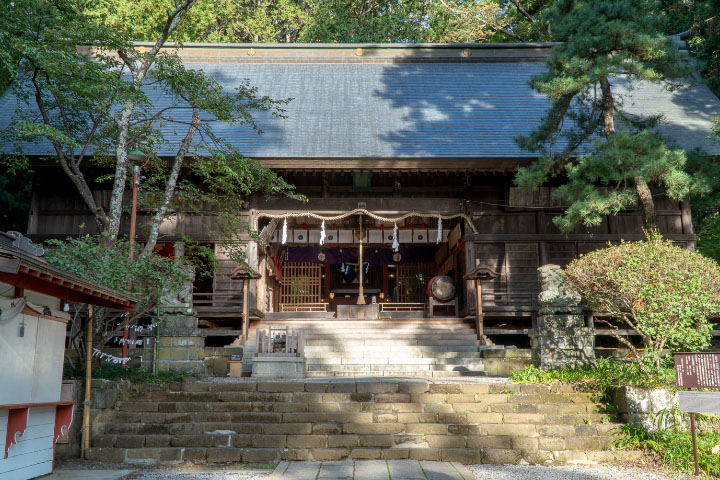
[{"x": 418, "y": 109}]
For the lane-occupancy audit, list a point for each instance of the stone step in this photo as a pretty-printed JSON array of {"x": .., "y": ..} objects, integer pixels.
[
  {"x": 391, "y": 348},
  {"x": 373, "y": 335},
  {"x": 328, "y": 436},
  {"x": 175, "y": 455},
  {"x": 362, "y": 365},
  {"x": 389, "y": 342},
  {"x": 434, "y": 415},
  {"x": 347, "y": 394},
  {"x": 315, "y": 353},
  {"x": 393, "y": 373},
  {"x": 395, "y": 360}
]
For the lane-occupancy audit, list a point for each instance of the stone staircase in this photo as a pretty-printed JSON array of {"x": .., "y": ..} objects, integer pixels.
[
  {"x": 231, "y": 420},
  {"x": 423, "y": 347}
]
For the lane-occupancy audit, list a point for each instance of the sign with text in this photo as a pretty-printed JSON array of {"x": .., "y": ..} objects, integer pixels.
[
  {"x": 699, "y": 402},
  {"x": 698, "y": 370}
]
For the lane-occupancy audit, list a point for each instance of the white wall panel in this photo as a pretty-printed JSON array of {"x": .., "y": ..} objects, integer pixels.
[
  {"x": 48, "y": 365},
  {"x": 32, "y": 455},
  {"x": 17, "y": 357}
]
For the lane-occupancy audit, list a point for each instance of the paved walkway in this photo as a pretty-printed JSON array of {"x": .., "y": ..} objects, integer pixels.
[{"x": 371, "y": 470}]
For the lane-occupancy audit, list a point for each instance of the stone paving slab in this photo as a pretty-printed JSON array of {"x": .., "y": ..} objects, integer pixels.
[
  {"x": 371, "y": 470},
  {"x": 88, "y": 475}
]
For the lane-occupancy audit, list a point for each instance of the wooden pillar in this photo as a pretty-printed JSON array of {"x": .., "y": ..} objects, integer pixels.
[
  {"x": 542, "y": 247},
  {"x": 686, "y": 218},
  {"x": 479, "y": 316},
  {"x": 470, "y": 291},
  {"x": 327, "y": 282},
  {"x": 88, "y": 381},
  {"x": 385, "y": 281},
  {"x": 246, "y": 308}
]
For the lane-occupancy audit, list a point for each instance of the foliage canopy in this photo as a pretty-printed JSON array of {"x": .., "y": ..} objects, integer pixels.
[
  {"x": 605, "y": 158},
  {"x": 668, "y": 294}
]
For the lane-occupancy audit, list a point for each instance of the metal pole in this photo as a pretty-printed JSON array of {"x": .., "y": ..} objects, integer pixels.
[
  {"x": 694, "y": 443},
  {"x": 361, "y": 291},
  {"x": 88, "y": 382}
]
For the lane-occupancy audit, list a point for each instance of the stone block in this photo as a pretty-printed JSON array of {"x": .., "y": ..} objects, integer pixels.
[
  {"x": 365, "y": 453},
  {"x": 377, "y": 387},
  {"x": 524, "y": 443},
  {"x": 130, "y": 441},
  {"x": 560, "y": 322},
  {"x": 515, "y": 430},
  {"x": 485, "y": 441},
  {"x": 111, "y": 455},
  {"x": 445, "y": 441},
  {"x": 465, "y": 456},
  {"x": 258, "y": 441},
  {"x": 278, "y": 367},
  {"x": 376, "y": 441},
  {"x": 280, "y": 387},
  {"x": 447, "y": 388},
  {"x": 426, "y": 428},
  {"x": 395, "y": 453},
  {"x": 344, "y": 441},
  {"x": 372, "y": 429},
  {"x": 260, "y": 455},
  {"x": 329, "y": 454},
  {"x": 306, "y": 441},
  {"x": 196, "y": 455},
  {"x": 326, "y": 429},
  {"x": 224, "y": 455},
  {"x": 496, "y": 456},
  {"x": 152, "y": 441},
  {"x": 413, "y": 387},
  {"x": 429, "y": 454},
  {"x": 475, "y": 388},
  {"x": 287, "y": 429}
]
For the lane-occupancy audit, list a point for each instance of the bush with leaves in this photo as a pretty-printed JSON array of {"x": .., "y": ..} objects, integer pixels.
[
  {"x": 147, "y": 277},
  {"x": 666, "y": 293}
]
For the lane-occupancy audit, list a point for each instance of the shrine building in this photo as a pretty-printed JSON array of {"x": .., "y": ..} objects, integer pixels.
[{"x": 406, "y": 154}]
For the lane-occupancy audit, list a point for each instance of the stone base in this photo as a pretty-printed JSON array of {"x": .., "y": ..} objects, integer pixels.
[
  {"x": 561, "y": 341},
  {"x": 360, "y": 312},
  {"x": 278, "y": 367},
  {"x": 503, "y": 362}
]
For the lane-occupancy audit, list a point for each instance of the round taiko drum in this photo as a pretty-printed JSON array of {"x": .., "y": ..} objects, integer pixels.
[{"x": 442, "y": 288}]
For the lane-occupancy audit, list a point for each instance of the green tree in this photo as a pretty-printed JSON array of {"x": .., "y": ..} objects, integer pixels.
[
  {"x": 666, "y": 293},
  {"x": 608, "y": 159},
  {"x": 94, "y": 107}
]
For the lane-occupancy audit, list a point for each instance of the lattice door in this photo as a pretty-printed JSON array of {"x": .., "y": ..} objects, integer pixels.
[
  {"x": 412, "y": 281},
  {"x": 301, "y": 283}
]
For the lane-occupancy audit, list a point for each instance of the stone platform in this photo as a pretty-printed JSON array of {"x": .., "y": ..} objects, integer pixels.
[
  {"x": 372, "y": 470},
  {"x": 473, "y": 420}
]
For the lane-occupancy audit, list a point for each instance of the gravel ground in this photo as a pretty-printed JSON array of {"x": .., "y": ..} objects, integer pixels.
[
  {"x": 598, "y": 472},
  {"x": 206, "y": 475}
]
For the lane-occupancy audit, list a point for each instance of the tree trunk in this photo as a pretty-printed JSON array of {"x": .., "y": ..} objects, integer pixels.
[
  {"x": 647, "y": 204},
  {"x": 171, "y": 183}
]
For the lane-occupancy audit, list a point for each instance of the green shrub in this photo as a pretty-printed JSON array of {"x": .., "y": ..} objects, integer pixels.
[
  {"x": 607, "y": 372},
  {"x": 673, "y": 446},
  {"x": 664, "y": 292}
]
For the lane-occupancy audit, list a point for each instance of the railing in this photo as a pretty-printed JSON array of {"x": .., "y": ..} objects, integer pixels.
[
  {"x": 217, "y": 304},
  {"x": 402, "y": 307},
  {"x": 303, "y": 307},
  {"x": 270, "y": 342},
  {"x": 503, "y": 298}
]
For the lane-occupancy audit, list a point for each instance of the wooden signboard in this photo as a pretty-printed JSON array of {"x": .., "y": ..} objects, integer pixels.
[
  {"x": 698, "y": 370},
  {"x": 699, "y": 402}
]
